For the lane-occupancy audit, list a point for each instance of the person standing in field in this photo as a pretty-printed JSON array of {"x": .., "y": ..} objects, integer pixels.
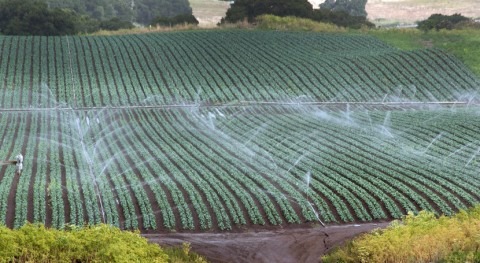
[{"x": 19, "y": 164}]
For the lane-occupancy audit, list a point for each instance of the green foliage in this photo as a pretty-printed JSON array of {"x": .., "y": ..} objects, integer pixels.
[
  {"x": 101, "y": 243},
  {"x": 34, "y": 17},
  {"x": 176, "y": 20},
  {"x": 439, "y": 21},
  {"x": 462, "y": 43},
  {"x": 85, "y": 24},
  {"x": 31, "y": 17},
  {"x": 115, "y": 24},
  {"x": 321, "y": 67},
  {"x": 249, "y": 9},
  {"x": 340, "y": 18},
  {"x": 148, "y": 10},
  {"x": 291, "y": 23},
  {"x": 140, "y": 11},
  {"x": 351, "y": 7},
  {"x": 418, "y": 238},
  {"x": 183, "y": 254}
]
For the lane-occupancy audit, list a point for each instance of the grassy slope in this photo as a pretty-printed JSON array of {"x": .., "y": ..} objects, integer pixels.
[{"x": 462, "y": 43}]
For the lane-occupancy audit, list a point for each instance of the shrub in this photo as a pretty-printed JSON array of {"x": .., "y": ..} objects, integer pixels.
[
  {"x": 115, "y": 24},
  {"x": 101, "y": 243},
  {"x": 176, "y": 20},
  {"x": 250, "y": 9},
  {"x": 29, "y": 17},
  {"x": 272, "y": 22},
  {"x": 341, "y": 18},
  {"x": 421, "y": 238},
  {"x": 439, "y": 21}
]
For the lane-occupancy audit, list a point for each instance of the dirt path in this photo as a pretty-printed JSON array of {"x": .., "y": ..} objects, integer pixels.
[{"x": 283, "y": 245}]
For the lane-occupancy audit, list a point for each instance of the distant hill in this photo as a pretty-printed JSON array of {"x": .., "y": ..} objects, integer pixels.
[
  {"x": 140, "y": 11},
  {"x": 209, "y": 12},
  {"x": 411, "y": 11}
]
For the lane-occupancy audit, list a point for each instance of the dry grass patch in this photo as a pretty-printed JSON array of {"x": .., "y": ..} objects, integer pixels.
[{"x": 411, "y": 11}]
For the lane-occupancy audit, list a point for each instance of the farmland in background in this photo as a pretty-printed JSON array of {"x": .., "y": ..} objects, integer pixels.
[
  {"x": 218, "y": 67},
  {"x": 229, "y": 129},
  {"x": 391, "y": 12},
  {"x": 381, "y": 12}
]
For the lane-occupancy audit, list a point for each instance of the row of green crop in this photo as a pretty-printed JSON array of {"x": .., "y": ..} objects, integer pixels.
[
  {"x": 206, "y": 168},
  {"x": 221, "y": 66},
  {"x": 337, "y": 153},
  {"x": 13, "y": 130}
]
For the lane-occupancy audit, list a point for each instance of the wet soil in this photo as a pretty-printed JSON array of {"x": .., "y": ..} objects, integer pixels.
[{"x": 280, "y": 245}]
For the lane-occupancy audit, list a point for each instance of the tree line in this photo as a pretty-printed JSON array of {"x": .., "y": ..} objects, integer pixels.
[
  {"x": 346, "y": 13},
  {"x": 139, "y": 11},
  {"x": 67, "y": 17}
]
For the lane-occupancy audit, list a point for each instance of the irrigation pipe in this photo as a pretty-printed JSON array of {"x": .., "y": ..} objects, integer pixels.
[{"x": 246, "y": 103}]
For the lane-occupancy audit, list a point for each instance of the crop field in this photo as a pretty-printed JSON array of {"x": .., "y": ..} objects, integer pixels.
[
  {"x": 222, "y": 67},
  {"x": 220, "y": 130}
]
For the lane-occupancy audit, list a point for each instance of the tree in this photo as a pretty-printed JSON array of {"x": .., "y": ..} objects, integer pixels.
[
  {"x": 352, "y": 7},
  {"x": 31, "y": 17},
  {"x": 176, "y": 20},
  {"x": 115, "y": 24},
  {"x": 139, "y": 11},
  {"x": 249, "y": 9},
  {"x": 340, "y": 18},
  {"x": 439, "y": 21},
  {"x": 147, "y": 10}
]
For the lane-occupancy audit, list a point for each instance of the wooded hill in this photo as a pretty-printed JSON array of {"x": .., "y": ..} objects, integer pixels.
[{"x": 141, "y": 11}]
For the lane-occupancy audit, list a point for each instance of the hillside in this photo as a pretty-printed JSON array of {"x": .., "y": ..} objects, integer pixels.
[
  {"x": 220, "y": 130},
  {"x": 411, "y": 11},
  {"x": 223, "y": 67},
  {"x": 209, "y": 12}
]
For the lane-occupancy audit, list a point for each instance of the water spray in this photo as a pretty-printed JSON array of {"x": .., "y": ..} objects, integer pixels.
[
  {"x": 308, "y": 178},
  {"x": 18, "y": 162}
]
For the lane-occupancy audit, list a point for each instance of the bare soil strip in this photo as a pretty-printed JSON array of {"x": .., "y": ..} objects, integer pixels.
[{"x": 279, "y": 245}]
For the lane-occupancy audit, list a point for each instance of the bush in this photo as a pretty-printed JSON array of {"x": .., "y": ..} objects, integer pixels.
[
  {"x": 30, "y": 17},
  {"x": 250, "y": 9},
  {"x": 291, "y": 23},
  {"x": 183, "y": 254},
  {"x": 102, "y": 243},
  {"x": 173, "y": 21},
  {"x": 341, "y": 18},
  {"x": 115, "y": 24},
  {"x": 439, "y": 21},
  {"x": 352, "y": 7},
  {"x": 470, "y": 24},
  {"x": 421, "y": 238}
]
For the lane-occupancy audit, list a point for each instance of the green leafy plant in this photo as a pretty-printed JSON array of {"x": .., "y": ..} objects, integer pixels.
[
  {"x": 418, "y": 238},
  {"x": 100, "y": 243},
  {"x": 439, "y": 21}
]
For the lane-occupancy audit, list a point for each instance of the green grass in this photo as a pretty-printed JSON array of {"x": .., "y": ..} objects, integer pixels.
[
  {"x": 271, "y": 22},
  {"x": 462, "y": 43}
]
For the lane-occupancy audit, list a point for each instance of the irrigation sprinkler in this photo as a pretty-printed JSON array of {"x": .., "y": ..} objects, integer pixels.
[{"x": 18, "y": 162}]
